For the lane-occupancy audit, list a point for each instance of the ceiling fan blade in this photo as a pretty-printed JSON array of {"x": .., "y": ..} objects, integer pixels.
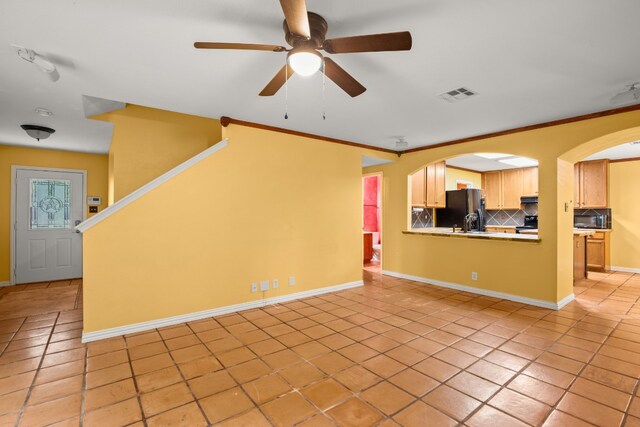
[
  {"x": 295, "y": 13},
  {"x": 277, "y": 81},
  {"x": 342, "y": 78},
  {"x": 241, "y": 46},
  {"x": 371, "y": 43}
]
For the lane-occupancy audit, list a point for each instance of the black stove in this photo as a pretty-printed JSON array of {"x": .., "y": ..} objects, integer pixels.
[{"x": 530, "y": 223}]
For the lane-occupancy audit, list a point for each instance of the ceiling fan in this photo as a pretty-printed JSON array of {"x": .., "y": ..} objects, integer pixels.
[{"x": 305, "y": 32}]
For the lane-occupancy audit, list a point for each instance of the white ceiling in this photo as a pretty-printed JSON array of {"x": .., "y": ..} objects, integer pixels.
[
  {"x": 623, "y": 151},
  {"x": 477, "y": 163},
  {"x": 530, "y": 62}
]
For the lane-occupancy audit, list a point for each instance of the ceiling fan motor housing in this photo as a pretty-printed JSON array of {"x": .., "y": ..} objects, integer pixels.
[{"x": 318, "y": 26}]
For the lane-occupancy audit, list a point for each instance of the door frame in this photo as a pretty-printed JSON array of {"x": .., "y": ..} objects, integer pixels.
[{"x": 12, "y": 225}]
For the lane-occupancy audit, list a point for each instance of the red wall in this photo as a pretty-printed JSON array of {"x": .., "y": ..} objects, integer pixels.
[{"x": 371, "y": 203}]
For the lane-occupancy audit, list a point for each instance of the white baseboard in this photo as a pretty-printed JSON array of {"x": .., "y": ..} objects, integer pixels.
[
  {"x": 190, "y": 317},
  {"x": 516, "y": 298},
  {"x": 625, "y": 269},
  {"x": 2, "y": 284}
]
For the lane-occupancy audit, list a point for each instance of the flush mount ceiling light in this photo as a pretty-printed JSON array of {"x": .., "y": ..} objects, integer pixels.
[
  {"x": 632, "y": 94},
  {"x": 401, "y": 143},
  {"x": 519, "y": 161},
  {"x": 37, "y": 132},
  {"x": 493, "y": 155},
  {"x": 43, "y": 65},
  {"x": 304, "y": 62}
]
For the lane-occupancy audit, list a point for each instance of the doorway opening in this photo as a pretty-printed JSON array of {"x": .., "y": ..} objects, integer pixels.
[{"x": 372, "y": 222}]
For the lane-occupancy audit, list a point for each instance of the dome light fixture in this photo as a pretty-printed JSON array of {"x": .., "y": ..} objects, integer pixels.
[
  {"x": 37, "y": 132},
  {"x": 304, "y": 62}
]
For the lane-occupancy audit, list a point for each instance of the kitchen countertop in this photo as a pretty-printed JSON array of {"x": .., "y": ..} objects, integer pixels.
[
  {"x": 448, "y": 232},
  {"x": 508, "y": 227},
  {"x": 576, "y": 232}
]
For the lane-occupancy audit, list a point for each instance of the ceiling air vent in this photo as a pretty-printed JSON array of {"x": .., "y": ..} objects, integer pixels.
[
  {"x": 635, "y": 143},
  {"x": 457, "y": 94}
]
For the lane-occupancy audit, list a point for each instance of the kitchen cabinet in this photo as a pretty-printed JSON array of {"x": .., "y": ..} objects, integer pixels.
[
  {"x": 500, "y": 229},
  {"x": 530, "y": 181},
  {"x": 591, "y": 183},
  {"x": 598, "y": 252},
  {"x": 579, "y": 257},
  {"x": 419, "y": 189},
  {"x": 436, "y": 185},
  {"x": 503, "y": 189},
  {"x": 428, "y": 186}
]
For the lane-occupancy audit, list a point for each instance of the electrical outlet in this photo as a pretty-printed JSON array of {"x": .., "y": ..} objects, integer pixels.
[
  {"x": 264, "y": 285},
  {"x": 474, "y": 275},
  {"x": 254, "y": 287},
  {"x": 292, "y": 280},
  {"x": 275, "y": 283}
]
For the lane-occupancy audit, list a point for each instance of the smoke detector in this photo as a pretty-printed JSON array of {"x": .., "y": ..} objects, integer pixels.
[
  {"x": 457, "y": 94},
  {"x": 401, "y": 144},
  {"x": 632, "y": 94}
]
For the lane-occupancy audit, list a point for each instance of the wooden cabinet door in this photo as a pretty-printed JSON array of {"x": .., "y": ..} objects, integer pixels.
[
  {"x": 418, "y": 189},
  {"x": 511, "y": 188},
  {"x": 579, "y": 261},
  {"x": 594, "y": 177},
  {"x": 595, "y": 255},
  {"x": 491, "y": 184},
  {"x": 530, "y": 181},
  {"x": 577, "y": 186},
  {"x": 436, "y": 185}
]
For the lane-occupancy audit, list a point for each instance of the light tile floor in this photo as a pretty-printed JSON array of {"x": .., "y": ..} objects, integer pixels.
[{"x": 392, "y": 352}]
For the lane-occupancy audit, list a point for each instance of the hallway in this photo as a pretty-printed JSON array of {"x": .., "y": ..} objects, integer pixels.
[{"x": 393, "y": 351}]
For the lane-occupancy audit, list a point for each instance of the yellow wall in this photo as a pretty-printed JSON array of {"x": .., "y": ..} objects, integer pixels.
[
  {"x": 147, "y": 142},
  {"x": 624, "y": 200},
  {"x": 535, "y": 270},
  {"x": 454, "y": 174},
  {"x": 94, "y": 164},
  {"x": 268, "y": 206}
]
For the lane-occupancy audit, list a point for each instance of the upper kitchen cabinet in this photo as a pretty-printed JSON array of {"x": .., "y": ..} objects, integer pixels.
[
  {"x": 503, "y": 189},
  {"x": 428, "y": 186},
  {"x": 591, "y": 184},
  {"x": 530, "y": 181},
  {"x": 436, "y": 185},
  {"x": 419, "y": 189}
]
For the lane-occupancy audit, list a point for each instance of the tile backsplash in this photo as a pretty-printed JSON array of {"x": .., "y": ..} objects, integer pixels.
[
  {"x": 513, "y": 217},
  {"x": 421, "y": 218}
]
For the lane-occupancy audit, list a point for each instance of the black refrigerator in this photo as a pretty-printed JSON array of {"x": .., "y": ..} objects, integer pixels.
[{"x": 461, "y": 203}]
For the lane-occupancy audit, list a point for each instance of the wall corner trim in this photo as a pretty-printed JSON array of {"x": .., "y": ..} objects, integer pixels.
[
  {"x": 464, "y": 288},
  {"x": 151, "y": 185},
  {"x": 189, "y": 317},
  {"x": 625, "y": 269}
]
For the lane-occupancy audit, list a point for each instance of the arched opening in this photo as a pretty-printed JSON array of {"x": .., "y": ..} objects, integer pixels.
[
  {"x": 605, "y": 201},
  {"x": 477, "y": 192}
]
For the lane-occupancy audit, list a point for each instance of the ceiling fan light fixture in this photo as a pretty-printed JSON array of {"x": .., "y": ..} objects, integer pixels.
[
  {"x": 37, "y": 132},
  {"x": 304, "y": 62}
]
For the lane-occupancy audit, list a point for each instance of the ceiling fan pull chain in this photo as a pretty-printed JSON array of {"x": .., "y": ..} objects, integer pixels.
[
  {"x": 286, "y": 90},
  {"x": 324, "y": 103}
]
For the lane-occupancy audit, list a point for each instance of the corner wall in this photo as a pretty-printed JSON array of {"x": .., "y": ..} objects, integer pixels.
[
  {"x": 624, "y": 200},
  {"x": 94, "y": 164},
  {"x": 148, "y": 142},
  {"x": 268, "y": 206}
]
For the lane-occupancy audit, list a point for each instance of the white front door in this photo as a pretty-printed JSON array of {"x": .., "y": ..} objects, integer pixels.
[{"x": 48, "y": 205}]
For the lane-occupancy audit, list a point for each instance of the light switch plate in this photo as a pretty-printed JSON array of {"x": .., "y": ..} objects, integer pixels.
[
  {"x": 275, "y": 283},
  {"x": 264, "y": 285}
]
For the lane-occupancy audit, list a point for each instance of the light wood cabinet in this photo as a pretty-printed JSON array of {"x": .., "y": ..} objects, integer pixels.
[
  {"x": 591, "y": 184},
  {"x": 503, "y": 189},
  {"x": 436, "y": 185},
  {"x": 530, "y": 181},
  {"x": 419, "y": 189},
  {"x": 579, "y": 258},
  {"x": 499, "y": 229},
  {"x": 428, "y": 186},
  {"x": 598, "y": 252}
]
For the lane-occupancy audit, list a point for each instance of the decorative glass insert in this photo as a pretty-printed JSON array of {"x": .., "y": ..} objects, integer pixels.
[{"x": 50, "y": 203}]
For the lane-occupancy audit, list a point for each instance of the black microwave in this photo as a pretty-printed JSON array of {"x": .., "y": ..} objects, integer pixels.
[{"x": 590, "y": 221}]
